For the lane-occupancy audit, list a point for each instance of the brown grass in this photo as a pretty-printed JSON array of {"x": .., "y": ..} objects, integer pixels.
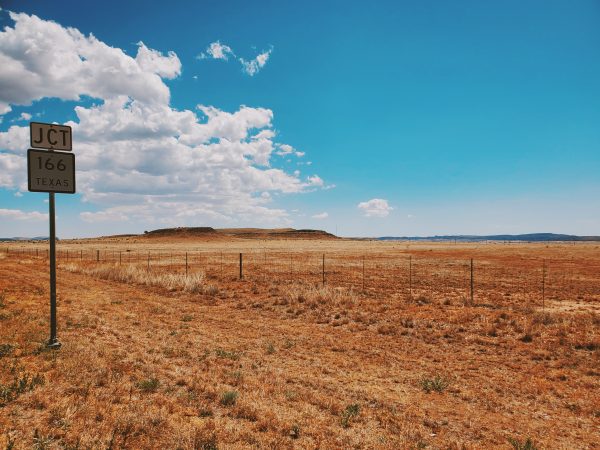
[{"x": 155, "y": 359}]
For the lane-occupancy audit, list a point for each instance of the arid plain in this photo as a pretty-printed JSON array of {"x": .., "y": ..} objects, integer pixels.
[{"x": 323, "y": 343}]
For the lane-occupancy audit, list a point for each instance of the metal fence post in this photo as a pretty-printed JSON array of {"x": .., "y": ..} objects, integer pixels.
[
  {"x": 471, "y": 280},
  {"x": 410, "y": 275},
  {"x": 543, "y": 284},
  {"x": 241, "y": 273}
]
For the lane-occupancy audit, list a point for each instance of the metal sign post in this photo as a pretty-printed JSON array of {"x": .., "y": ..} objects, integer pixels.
[{"x": 53, "y": 172}]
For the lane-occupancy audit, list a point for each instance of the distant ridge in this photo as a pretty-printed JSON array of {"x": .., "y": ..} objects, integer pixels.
[
  {"x": 531, "y": 237},
  {"x": 36, "y": 238},
  {"x": 221, "y": 234}
]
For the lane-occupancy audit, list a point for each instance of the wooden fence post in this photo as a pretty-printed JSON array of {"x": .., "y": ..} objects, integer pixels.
[
  {"x": 186, "y": 264},
  {"x": 323, "y": 269},
  {"x": 241, "y": 272}
]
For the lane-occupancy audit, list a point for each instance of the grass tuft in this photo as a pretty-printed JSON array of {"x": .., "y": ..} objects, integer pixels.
[
  {"x": 527, "y": 444},
  {"x": 228, "y": 398},
  {"x": 148, "y": 385},
  {"x": 435, "y": 384},
  {"x": 21, "y": 383},
  {"x": 348, "y": 413}
]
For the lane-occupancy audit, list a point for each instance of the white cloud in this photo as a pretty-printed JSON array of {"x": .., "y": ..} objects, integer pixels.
[
  {"x": 216, "y": 50},
  {"x": 253, "y": 66},
  {"x": 315, "y": 180},
  {"x": 152, "y": 61},
  {"x": 17, "y": 214},
  {"x": 376, "y": 207},
  {"x": 40, "y": 58},
  {"x": 25, "y": 116},
  {"x": 322, "y": 215},
  {"x": 139, "y": 159}
]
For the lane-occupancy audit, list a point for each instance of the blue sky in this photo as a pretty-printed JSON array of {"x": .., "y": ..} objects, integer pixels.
[{"x": 400, "y": 118}]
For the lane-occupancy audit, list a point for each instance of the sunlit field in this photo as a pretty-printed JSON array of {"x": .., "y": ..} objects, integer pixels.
[{"x": 314, "y": 344}]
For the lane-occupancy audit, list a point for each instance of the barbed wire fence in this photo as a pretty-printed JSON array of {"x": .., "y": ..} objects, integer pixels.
[{"x": 478, "y": 280}]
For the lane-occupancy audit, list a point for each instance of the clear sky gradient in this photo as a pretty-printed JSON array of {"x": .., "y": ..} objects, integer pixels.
[{"x": 418, "y": 118}]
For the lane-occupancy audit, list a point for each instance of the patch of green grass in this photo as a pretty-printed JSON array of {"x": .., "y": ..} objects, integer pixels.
[
  {"x": 148, "y": 385},
  {"x": 435, "y": 384},
  {"x": 228, "y": 398},
  {"x": 351, "y": 411},
  {"x": 225, "y": 354},
  {"x": 527, "y": 444},
  {"x": 22, "y": 382}
]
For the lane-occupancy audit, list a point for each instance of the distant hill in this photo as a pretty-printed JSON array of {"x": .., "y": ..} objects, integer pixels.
[
  {"x": 531, "y": 237},
  {"x": 219, "y": 234},
  {"x": 37, "y": 238}
]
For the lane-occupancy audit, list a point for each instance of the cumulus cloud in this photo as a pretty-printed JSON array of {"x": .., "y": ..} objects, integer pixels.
[
  {"x": 216, "y": 50},
  {"x": 139, "y": 159},
  {"x": 17, "y": 214},
  {"x": 25, "y": 116},
  {"x": 40, "y": 58},
  {"x": 322, "y": 215},
  {"x": 376, "y": 207}
]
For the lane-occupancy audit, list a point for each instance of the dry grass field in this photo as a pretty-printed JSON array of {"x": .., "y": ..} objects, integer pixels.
[{"x": 389, "y": 353}]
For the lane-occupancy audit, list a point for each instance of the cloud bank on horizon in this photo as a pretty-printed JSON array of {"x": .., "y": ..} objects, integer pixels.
[{"x": 165, "y": 165}]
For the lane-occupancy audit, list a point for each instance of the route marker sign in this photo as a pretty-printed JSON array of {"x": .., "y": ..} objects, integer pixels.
[
  {"x": 50, "y": 171},
  {"x": 50, "y": 136}
]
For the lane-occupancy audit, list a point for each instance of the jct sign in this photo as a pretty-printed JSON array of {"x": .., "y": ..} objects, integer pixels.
[
  {"x": 50, "y": 136},
  {"x": 53, "y": 172}
]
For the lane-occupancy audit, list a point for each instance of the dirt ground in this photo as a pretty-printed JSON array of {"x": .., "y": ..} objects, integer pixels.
[{"x": 392, "y": 355}]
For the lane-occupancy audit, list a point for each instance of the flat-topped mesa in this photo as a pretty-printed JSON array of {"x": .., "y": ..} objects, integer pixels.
[
  {"x": 275, "y": 233},
  {"x": 181, "y": 232}
]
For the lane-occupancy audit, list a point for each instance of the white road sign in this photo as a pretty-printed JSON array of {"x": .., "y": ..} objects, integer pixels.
[
  {"x": 50, "y": 136},
  {"x": 51, "y": 171}
]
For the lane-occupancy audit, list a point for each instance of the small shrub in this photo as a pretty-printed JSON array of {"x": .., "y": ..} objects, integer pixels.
[
  {"x": 348, "y": 413},
  {"x": 148, "y": 385},
  {"x": 437, "y": 384},
  {"x": 295, "y": 432},
  {"x": 527, "y": 338},
  {"x": 229, "y": 398},
  {"x": 270, "y": 349},
  {"x": 527, "y": 444},
  {"x": 41, "y": 442},
  {"x": 225, "y": 354},
  {"x": 6, "y": 349},
  {"x": 187, "y": 318}
]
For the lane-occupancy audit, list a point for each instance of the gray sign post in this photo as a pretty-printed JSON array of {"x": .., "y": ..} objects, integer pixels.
[{"x": 53, "y": 172}]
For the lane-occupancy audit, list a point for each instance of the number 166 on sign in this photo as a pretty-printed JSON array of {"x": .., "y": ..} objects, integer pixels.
[{"x": 51, "y": 171}]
